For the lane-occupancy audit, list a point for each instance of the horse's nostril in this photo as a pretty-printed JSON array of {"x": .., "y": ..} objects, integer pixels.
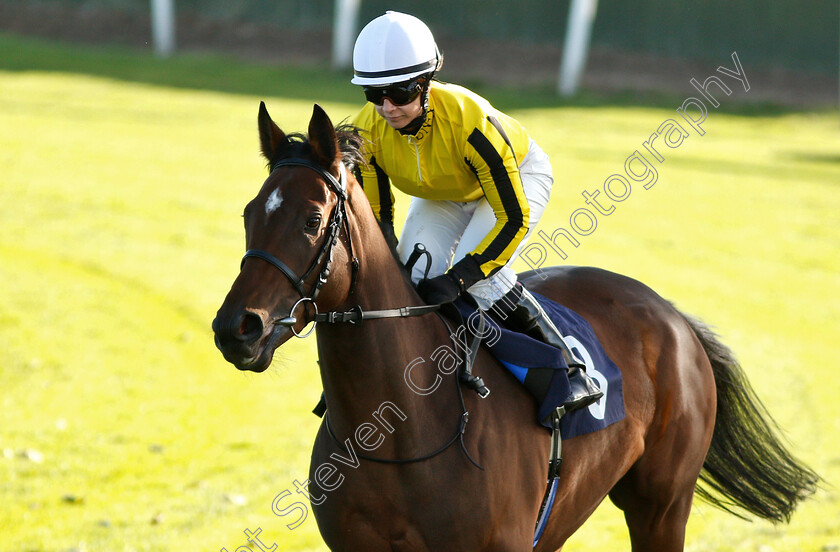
[
  {"x": 247, "y": 327},
  {"x": 250, "y": 327}
]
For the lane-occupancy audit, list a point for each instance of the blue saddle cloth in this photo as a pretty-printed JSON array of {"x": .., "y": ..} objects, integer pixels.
[{"x": 528, "y": 359}]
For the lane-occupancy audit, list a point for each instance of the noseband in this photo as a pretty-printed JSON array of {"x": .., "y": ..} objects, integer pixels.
[{"x": 337, "y": 220}]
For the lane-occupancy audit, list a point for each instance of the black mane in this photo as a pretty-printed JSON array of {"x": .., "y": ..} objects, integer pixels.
[{"x": 350, "y": 143}]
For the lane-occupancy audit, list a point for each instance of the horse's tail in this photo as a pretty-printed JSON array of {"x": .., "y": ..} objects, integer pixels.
[{"x": 747, "y": 466}]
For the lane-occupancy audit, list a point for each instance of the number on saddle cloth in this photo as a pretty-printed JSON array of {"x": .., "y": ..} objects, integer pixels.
[{"x": 542, "y": 369}]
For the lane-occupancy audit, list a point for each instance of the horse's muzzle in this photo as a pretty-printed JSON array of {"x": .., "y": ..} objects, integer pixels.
[{"x": 239, "y": 337}]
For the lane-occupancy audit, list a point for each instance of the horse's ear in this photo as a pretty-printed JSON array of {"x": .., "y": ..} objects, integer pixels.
[
  {"x": 271, "y": 137},
  {"x": 322, "y": 137}
]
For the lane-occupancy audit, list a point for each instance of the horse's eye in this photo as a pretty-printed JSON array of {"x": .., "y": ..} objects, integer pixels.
[{"x": 314, "y": 222}]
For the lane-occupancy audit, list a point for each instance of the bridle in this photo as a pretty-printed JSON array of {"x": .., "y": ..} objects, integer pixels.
[
  {"x": 324, "y": 258},
  {"x": 356, "y": 315}
]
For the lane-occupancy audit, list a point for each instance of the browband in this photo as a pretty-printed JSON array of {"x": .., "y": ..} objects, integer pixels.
[{"x": 339, "y": 185}]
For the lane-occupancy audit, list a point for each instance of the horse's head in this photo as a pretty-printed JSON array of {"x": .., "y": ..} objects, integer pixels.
[{"x": 297, "y": 244}]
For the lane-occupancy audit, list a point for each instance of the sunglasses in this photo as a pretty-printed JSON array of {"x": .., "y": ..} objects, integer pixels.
[{"x": 399, "y": 94}]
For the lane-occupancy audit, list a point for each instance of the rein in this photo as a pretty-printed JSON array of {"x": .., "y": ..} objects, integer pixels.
[{"x": 356, "y": 314}]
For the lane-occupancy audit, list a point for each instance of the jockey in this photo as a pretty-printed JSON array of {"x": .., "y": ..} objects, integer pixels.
[{"x": 479, "y": 184}]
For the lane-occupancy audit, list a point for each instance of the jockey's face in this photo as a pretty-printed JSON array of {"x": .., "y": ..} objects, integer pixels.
[{"x": 398, "y": 116}]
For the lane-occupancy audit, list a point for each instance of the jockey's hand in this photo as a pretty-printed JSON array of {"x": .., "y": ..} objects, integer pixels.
[{"x": 438, "y": 290}]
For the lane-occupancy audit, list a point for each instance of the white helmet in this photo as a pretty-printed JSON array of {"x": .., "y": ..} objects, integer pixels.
[{"x": 392, "y": 48}]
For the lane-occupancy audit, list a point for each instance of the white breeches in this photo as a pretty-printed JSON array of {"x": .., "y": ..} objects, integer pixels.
[{"x": 450, "y": 230}]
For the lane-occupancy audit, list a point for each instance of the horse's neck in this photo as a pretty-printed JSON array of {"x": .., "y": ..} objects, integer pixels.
[{"x": 363, "y": 366}]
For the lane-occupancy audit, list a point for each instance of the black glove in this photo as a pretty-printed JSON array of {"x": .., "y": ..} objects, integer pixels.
[
  {"x": 447, "y": 287},
  {"x": 438, "y": 290},
  {"x": 466, "y": 272}
]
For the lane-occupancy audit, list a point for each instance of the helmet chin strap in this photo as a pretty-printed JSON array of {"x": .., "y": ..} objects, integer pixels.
[
  {"x": 425, "y": 93},
  {"x": 415, "y": 125},
  {"x": 428, "y": 84}
]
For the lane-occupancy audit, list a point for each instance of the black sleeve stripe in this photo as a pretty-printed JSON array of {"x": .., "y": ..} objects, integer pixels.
[
  {"x": 357, "y": 172},
  {"x": 510, "y": 204},
  {"x": 473, "y": 169},
  {"x": 386, "y": 207},
  {"x": 495, "y": 122}
]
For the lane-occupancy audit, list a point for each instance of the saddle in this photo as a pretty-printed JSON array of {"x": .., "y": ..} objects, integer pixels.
[{"x": 541, "y": 368}]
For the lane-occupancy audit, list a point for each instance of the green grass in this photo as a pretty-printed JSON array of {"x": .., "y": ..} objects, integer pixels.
[{"x": 122, "y": 179}]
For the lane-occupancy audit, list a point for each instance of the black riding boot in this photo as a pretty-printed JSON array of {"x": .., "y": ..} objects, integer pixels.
[{"x": 520, "y": 312}]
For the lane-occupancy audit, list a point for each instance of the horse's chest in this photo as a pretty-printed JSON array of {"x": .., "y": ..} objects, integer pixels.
[
  {"x": 374, "y": 528},
  {"x": 374, "y": 511}
]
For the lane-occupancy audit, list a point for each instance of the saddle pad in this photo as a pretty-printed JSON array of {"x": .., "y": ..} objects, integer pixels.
[{"x": 524, "y": 356}]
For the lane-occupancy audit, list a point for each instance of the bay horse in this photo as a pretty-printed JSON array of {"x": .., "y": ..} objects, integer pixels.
[{"x": 440, "y": 469}]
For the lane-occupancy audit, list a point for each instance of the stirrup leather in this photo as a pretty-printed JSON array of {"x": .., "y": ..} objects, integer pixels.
[{"x": 530, "y": 318}]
